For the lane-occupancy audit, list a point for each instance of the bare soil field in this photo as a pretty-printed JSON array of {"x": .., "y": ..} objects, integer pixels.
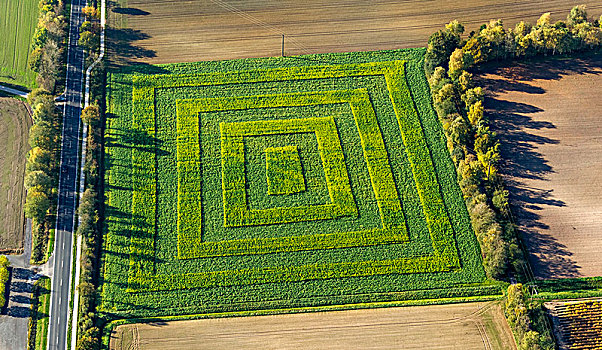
[
  {"x": 548, "y": 115},
  {"x": 457, "y": 326},
  {"x": 167, "y": 31},
  {"x": 14, "y": 131}
]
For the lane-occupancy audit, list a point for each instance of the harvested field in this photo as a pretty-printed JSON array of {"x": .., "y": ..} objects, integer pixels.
[
  {"x": 14, "y": 130},
  {"x": 459, "y": 326},
  {"x": 159, "y": 31},
  {"x": 577, "y": 324},
  {"x": 548, "y": 115}
]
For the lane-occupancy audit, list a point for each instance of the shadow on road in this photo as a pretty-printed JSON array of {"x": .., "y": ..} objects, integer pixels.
[
  {"x": 519, "y": 149},
  {"x": 19, "y": 293}
]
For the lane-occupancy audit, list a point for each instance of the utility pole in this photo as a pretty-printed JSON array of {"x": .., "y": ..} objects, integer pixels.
[{"x": 282, "y": 45}]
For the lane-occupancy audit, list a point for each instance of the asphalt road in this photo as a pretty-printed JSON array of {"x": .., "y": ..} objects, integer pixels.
[{"x": 63, "y": 249}]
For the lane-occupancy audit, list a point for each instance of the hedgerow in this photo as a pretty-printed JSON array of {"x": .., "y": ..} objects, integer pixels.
[{"x": 192, "y": 225}]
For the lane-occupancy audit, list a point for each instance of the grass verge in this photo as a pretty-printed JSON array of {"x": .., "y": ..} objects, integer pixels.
[{"x": 40, "y": 307}]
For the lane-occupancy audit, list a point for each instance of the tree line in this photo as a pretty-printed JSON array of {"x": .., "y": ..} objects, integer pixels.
[
  {"x": 459, "y": 104},
  {"x": 41, "y": 173},
  {"x": 89, "y": 31},
  {"x": 474, "y": 148},
  {"x": 89, "y": 228},
  {"x": 41, "y": 170},
  {"x": 48, "y": 48},
  {"x": 89, "y": 209}
]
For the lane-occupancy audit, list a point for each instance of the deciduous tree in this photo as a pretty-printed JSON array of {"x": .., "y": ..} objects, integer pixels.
[
  {"x": 39, "y": 179},
  {"x": 36, "y": 204},
  {"x": 577, "y": 15}
]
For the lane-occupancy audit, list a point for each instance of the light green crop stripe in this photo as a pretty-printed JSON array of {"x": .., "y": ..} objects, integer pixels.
[{"x": 280, "y": 274}]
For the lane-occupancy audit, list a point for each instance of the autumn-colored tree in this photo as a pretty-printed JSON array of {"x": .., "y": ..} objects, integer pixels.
[
  {"x": 476, "y": 113},
  {"x": 91, "y": 115},
  {"x": 39, "y": 179},
  {"x": 36, "y": 204},
  {"x": 43, "y": 135},
  {"x": 440, "y": 45},
  {"x": 88, "y": 40},
  {"x": 90, "y": 12},
  {"x": 577, "y": 15},
  {"x": 459, "y": 61}
]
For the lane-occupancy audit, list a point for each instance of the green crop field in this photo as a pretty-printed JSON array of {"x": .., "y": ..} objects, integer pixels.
[
  {"x": 17, "y": 24},
  {"x": 280, "y": 182}
]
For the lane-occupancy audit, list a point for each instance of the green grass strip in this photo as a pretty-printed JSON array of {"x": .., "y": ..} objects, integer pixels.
[
  {"x": 425, "y": 175},
  {"x": 144, "y": 184},
  {"x": 38, "y": 323}
]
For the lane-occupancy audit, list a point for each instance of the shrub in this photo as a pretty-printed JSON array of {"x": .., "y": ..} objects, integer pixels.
[{"x": 3, "y": 278}]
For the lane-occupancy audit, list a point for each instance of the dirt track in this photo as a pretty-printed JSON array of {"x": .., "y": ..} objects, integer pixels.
[
  {"x": 14, "y": 131},
  {"x": 460, "y": 326},
  {"x": 548, "y": 114},
  {"x": 165, "y": 31}
]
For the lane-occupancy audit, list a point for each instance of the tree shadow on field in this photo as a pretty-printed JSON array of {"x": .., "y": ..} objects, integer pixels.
[
  {"x": 121, "y": 42},
  {"x": 521, "y": 161},
  {"x": 130, "y": 11},
  {"x": 122, "y": 48},
  {"x": 121, "y": 45}
]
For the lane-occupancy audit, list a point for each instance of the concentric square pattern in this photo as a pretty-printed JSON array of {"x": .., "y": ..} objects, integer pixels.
[{"x": 236, "y": 209}]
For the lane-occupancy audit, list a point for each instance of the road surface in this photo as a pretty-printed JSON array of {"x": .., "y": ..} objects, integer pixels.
[
  {"x": 13, "y": 91},
  {"x": 63, "y": 249}
]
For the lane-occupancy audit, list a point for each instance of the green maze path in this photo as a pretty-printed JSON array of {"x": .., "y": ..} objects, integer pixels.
[{"x": 253, "y": 183}]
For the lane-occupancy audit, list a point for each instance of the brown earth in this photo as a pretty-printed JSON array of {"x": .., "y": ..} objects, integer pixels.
[
  {"x": 549, "y": 115},
  {"x": 457, "y": 326},
  {"x": 14, "y": 130},
  {"x": 166, "y": 31}
]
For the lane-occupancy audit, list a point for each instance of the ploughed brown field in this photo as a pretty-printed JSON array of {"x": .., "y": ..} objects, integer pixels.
[
  {"x": 167, "y": 31},
  {"x": 549, "y": 117},
  {"x": 457, "y": 326},
  {"x": 14, "y": 131}
]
